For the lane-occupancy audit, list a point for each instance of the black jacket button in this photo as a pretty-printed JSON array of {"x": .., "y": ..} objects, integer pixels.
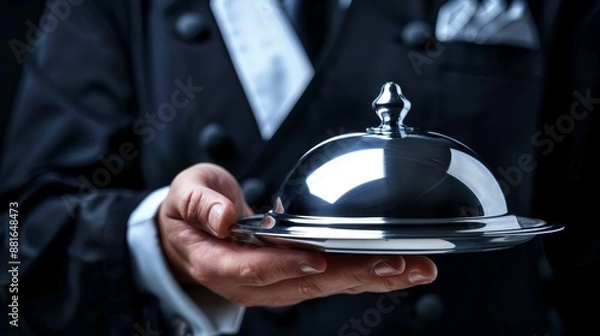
[
  {"x": 255, "y": 192},
  {"x": 191, "y": 27},
  {"x": 429, "y": 308},
  {"x": 216, "y": 143},
  {"x": 415, "y": 34}
]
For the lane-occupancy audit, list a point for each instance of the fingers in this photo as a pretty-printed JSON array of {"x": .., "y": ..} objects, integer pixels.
[
  {"x": 216, "y": 260},
  {"x": 207, "y": 197},
  {"x": 343, "y": 272},
  {"x": 347, "y": 274},
  {"x": 208, "y": 210},
  {"x": 220, "y": 180},
  {"x": 419, "y": 271},
  {"x": 251, "y": 275}
]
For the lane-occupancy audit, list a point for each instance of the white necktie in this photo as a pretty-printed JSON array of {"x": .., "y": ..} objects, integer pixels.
[{"x": 269, "y": 59}]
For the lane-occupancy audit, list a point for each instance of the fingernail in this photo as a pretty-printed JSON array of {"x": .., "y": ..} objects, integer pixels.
[
  {"x": 216, "y": 212},
  {"x": 308, "y": 269},
  {"x": 418, "y": 278},
  {"x": 384, "y": 269}
]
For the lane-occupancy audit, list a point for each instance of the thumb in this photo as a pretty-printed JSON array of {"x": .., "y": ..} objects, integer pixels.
[{"x": 206, "y": 197}]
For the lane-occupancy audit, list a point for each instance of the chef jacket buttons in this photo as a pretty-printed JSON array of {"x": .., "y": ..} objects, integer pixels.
[
  {"x": 191, "y": 27},
  {"x": 255, "y": 191},
  {"x": 217, "y": 144},
  {"x": 429, "y": 308},
  {"x": 416, "y": 34}
]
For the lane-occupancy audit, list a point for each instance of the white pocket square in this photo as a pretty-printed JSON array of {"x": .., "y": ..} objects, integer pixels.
[{"x": 490, "y": 22}]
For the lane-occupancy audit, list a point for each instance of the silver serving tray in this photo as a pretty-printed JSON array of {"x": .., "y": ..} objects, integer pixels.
[{"x": 421, "y": 238}]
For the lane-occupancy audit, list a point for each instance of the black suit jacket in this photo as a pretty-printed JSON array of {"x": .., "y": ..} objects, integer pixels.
[{"x": 121, "y": 96}]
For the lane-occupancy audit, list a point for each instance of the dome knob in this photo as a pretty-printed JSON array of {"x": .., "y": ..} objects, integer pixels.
[{"x": 391, "y": 107}]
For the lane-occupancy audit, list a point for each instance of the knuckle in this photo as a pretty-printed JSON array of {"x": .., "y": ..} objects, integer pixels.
[
  {"x": 390, "y": 284},
  {"x": 252, "y": 274},
  {"x": 190, "y": 206},
  {"x": 359, "y": 278},
  {"x": 354, "y": 290},
  {"x": 307, "y": 287}
]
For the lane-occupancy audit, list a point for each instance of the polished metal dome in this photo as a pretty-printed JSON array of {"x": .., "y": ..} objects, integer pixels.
[
  {"x": 392, "y": 171},
  {"x": 368, "y": 191}
]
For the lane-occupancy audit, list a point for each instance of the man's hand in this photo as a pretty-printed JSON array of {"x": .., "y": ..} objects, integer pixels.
[{"x": 194, "y": 221}]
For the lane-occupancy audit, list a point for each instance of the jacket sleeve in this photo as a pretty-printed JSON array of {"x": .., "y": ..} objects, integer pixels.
[{"x": 71, "y": 165}]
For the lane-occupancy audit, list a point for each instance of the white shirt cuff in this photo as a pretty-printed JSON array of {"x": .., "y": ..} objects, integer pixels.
[{"x": 212, "y": 316}]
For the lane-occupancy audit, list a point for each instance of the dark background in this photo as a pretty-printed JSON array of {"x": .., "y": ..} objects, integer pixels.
[
  {"x": 13, "y": 17},
  {"x": 567, "y": 179}
]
